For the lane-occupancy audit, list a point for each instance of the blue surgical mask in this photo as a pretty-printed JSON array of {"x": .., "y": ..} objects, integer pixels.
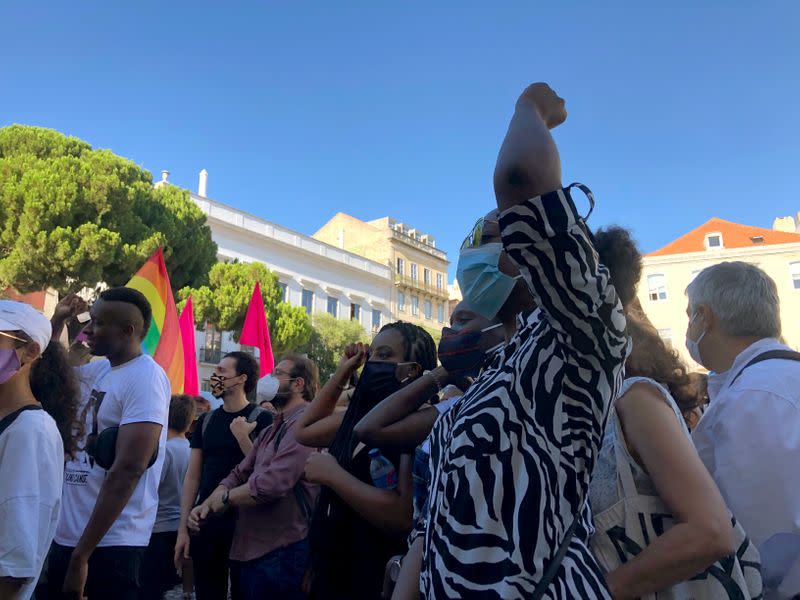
[
  {"x": 484, "y": 287},
  {"x": 693, "y": 346}
]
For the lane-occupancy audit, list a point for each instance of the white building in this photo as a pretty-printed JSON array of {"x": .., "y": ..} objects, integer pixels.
[{"x": 313, "y": 274}]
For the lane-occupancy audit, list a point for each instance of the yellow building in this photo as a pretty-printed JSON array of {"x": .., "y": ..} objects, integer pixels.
[
  {"x": 419, "y": 268},
  {"x": 668, "y": 271}
]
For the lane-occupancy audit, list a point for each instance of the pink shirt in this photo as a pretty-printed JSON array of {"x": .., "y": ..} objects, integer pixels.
[{"x": 271, "y": 475}]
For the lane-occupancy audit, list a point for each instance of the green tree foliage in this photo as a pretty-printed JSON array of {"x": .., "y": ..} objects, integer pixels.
[
  {"x": 72, "y": 216},
  {"x": 329, "y": 339},
  {"x": 225, "y": 299}
]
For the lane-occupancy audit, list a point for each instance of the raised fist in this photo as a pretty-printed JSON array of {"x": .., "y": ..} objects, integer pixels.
[{"x": 548, "y": 104}]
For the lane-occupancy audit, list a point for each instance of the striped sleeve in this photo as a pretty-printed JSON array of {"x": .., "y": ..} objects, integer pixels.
[{"x": 552, "y": 248}]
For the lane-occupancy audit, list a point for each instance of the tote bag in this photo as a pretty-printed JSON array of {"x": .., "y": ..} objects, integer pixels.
[{"x": 630, "y": 525}]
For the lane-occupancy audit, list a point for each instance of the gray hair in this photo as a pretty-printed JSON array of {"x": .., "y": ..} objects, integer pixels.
[{"x": 743, "y": 298}]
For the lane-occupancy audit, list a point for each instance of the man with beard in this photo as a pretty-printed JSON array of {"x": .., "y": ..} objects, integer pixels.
[
  {"x": 270, "y": 550},
  {"x": 221, "y": 439}
]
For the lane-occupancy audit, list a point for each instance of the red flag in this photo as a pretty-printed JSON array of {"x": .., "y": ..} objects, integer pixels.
[
  {"x": 255, "y": 331},
  {"x": 186, "y": 325}
]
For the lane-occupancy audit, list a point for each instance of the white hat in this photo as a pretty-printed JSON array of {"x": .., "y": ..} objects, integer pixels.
[{"x": 18, "y": 316}]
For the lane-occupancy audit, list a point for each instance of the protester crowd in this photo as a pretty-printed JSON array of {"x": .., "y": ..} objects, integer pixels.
[{"x": 551, "y": 446}]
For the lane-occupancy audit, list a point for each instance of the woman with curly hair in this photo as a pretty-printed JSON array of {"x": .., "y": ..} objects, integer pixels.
[
  {"x": 358, "y": 526},
  {"x": 647, "y": 436},
  {"x": 38, "y": 406}
]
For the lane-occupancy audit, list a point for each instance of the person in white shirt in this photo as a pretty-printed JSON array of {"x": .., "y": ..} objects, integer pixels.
[
  {"x": 749, "y": 437},
  {"x": 107, "y": 514},
  {"x": 34, "y": 375}
]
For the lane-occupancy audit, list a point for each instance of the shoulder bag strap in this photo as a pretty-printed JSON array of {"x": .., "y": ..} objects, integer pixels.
[
  {"x": 6, "y": 421},
  {"x": 206, "y": 422},
  {"x": 555, "y": 564},
  {"x": 772, "y": 354}
]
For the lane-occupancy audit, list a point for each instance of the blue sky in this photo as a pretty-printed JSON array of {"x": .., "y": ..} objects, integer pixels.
[{"x": 678, "y": 111}]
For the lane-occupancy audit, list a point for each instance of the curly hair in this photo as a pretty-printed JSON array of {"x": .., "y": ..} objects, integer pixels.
[
  {"x": 650, "y": 356},
  {"x": 55, "y": 386}
]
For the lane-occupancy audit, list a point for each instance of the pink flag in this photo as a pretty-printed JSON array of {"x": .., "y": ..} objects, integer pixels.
[
  {"x": 186, "y": 326},
  {"x": 255, "y": 331}
]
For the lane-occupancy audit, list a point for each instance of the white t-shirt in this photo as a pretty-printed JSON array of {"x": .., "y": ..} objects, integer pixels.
[
  {"x": 31, "y": 467},
  {"x": 135, "y": 392}
]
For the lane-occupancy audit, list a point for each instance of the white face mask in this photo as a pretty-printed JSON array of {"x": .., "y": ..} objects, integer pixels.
[
  {"x": 693, "y": 346},
  {"x": 267, "y": 388}
]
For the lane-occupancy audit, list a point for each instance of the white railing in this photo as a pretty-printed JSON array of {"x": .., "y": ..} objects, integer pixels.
[{"x": 287, "y": 236}]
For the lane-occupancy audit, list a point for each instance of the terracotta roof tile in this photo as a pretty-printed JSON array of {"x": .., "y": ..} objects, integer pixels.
[{"x": 734, "y": 235}]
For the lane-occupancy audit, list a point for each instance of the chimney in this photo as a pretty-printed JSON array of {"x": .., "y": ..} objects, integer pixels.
[
  {"x": 164, "y": 175},
  {"x": 202, "y": 186}
]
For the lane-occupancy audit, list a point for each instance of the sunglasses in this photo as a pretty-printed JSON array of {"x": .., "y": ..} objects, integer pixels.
[{"x": 475, "y": 237}]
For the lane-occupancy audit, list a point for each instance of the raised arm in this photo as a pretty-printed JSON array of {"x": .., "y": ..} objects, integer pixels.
[
  {"x": 397, "y": 421},
  {"x": 548, "y": 240},
  {"x": 319, "y": 424}
]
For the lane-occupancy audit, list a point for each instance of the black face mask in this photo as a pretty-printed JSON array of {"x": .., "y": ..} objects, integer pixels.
[
  {"x": 464, "y": 352},
  {"x": 378, "y": 380}
]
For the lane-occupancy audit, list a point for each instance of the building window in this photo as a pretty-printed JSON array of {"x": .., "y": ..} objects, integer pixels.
[
  {"x": 333, "y": 306},
  {"x": 666, "y": 336},
  {"x": 308, "y": 301},
  {"x": 440, "y": 312},
  {"x": 401, "y": 266},
  {"x": 413, "y": 272},
  {"x": 376, "y": 320},
  {"x": 428, "y": 309},
  {"x": 284, "y": 291},
  {"x": 439, "y": 281},
  {"x": 212, "y": 350},
  {"x": 657, "y": 286},
  {"x": 714, "y": 241},
  {"x": 355, "y": 312},
  {"x": 795, "y": 270},
  {"x": 426, "y": 275},
  {"x": 414, "y": 305},
  {"x": 401, "y": 302}
]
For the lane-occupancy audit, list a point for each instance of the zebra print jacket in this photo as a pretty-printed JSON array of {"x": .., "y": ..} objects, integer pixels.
[{"x": 511, "y": 463}]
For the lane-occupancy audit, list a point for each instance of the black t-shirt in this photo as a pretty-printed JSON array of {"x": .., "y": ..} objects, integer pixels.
[{"x": 221, "y": 451}]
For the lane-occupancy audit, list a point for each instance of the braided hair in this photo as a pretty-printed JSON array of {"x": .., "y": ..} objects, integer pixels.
[{"x": 418, "y": 347}]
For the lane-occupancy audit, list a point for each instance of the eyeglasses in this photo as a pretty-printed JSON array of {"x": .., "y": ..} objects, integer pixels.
[
  {"x": 473, "y": 240},
  {"x": 13, "y": 337},
  {"x": 475, "y": 237}
]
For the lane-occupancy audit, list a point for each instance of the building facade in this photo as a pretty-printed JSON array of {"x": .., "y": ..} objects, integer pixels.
[
  {"x": 668, "y": 271},
  {"x": 418, "y": 267},
  {"x": 312, "y": 274}
]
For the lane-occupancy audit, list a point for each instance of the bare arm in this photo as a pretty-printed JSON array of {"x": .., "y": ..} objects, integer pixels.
[
  {"x": 407, "y": 586},
  {"x": 702, "y": 532},
  {"x": 319, "y": 423},
  {"x": 397, "y": 421},
  {"x": 191, "y": 484},
  {"x": 136, "y": 444},
  {"x": 389, "y": 510},
  {"x": 528, "y": 164}
]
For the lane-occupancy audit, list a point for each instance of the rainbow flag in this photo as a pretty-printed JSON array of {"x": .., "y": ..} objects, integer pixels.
[{"x": 163, "y": 339}]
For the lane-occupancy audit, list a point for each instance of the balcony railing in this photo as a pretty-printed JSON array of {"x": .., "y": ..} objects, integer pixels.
[
  {"x": 441, "y": 255},
  {"x": 210, "y": 355},
  {"x": 420, "y": 285}
]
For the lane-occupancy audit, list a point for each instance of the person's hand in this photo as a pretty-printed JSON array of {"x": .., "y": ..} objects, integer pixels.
[
  {"x": 320, "y": 466},
  {"x": 198, "y": 516},
  {"x": 241, "y": 429},
  {"x": 69, "y": 306},
  {"x": 550, "y": 107},
  {"x": 215, "y": 503},
  {"x": 354, "y": 356},
  {"x": 182, "y": 545},
  {"x": 75, "y": 579}
]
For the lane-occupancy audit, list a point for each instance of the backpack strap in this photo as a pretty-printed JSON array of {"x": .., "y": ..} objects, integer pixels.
[
  {"x": 6, "y": 421},
  {"x": 206, "y": 422},
  {"x": 770, "y": 355},
  {"x": 299, "y": 494},
  {"x": 255, "y": 413}
]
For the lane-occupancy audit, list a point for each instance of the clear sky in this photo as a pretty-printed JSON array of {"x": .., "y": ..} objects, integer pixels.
[{"x": 678, "y": 111}]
